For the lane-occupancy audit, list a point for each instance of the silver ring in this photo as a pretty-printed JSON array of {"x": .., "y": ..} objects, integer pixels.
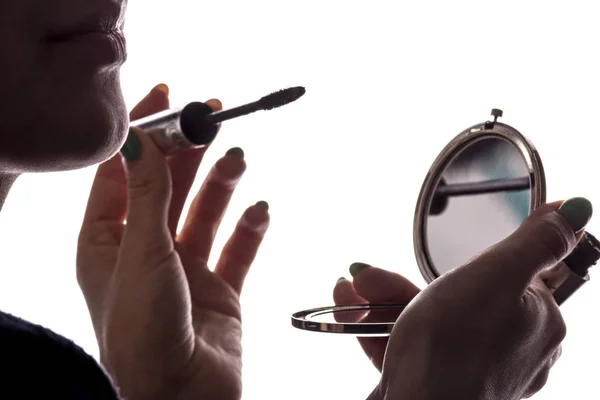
[{"x": 303, "y": 320}]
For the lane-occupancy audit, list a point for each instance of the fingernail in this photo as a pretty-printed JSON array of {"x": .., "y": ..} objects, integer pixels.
[
  {"x": 236, "y": 151},
  {"x": 341, "y": 279},
  {"x": 132, "y": 148},
  {"x": 357, "y": 267},
  {"x": 263, "y": 204},
  {"x": 577, "y": 211},
  {"x": 162, "y": 88}
]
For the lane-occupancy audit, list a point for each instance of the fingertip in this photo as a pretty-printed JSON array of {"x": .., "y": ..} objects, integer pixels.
[
  {"x": 261, "y": 209},
  {"x": 577, "y": 211},
  {"x": 357, "y": 267},
  {"x": 235, "y": 151},
  {"x": 545, "y": 238},
  {"x": 567, "y": 219},
  {"x": 256, "y": 218},
  {"x": 343, "y": 291},
  {"x": 162, "y": 88},
  {"x": 158, "y": 98},
  {"x": 155, "y": 101},
  {"x": 228, "y": 170},
  {"x": 131, "y": 150},
  {"x": 137, "y": 144},
  {"x": 263, "y": 204},
  {"x": 215, "y": 104},
  {"x": 144, "y": 162}
]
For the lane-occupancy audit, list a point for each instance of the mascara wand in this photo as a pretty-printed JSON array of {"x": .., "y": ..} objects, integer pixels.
[
  {"x": 274, "y": 100},
  {"x": 196, "y": 124}
]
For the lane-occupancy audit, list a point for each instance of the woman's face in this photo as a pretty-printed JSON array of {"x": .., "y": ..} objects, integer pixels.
[{"x": 61, "y": 105}]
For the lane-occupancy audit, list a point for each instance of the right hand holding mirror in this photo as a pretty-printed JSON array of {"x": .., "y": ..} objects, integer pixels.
[{"x": 480, "y": 188}]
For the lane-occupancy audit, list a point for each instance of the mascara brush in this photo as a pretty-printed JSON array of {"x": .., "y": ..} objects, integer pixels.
[
  {"x": 485, "y": 187},
  {"x": 196, "y": 124}
]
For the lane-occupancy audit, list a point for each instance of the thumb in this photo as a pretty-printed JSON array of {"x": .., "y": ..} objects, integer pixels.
[
  {"x": 547, "y": 236},
  {"x": 148, "y": 192}
]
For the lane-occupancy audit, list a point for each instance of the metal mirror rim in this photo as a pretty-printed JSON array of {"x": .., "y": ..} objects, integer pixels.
[
  {"x": 304, "y": 320},
  {"x": 487, "y": 130}
]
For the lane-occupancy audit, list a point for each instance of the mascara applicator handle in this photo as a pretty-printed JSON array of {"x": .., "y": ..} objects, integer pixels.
[{"x": 176, "y": 130}]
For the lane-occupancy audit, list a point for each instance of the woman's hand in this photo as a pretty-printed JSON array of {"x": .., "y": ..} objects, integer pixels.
[
  {"x": 375, "y": 286},
  {"x": 167, "y": 326},
  {"x": 489, "y": 329}
]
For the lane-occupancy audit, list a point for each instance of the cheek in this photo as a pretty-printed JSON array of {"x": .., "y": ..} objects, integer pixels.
[
  {"x": 20, "y": 84},
  {"x": 19, "y": 40},
  {"x": 21, "y": 70}
]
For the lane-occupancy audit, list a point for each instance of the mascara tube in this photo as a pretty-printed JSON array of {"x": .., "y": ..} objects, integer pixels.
[
  {"x": 572, "y": 273},
  {"x": 180, "y": 128}
]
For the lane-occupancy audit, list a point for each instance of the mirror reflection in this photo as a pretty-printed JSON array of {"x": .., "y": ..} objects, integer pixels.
[{"x": 482, "y": 197}]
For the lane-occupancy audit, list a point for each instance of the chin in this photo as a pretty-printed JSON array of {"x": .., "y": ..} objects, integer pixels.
[
  {"x": 93, "y": 139},
  {"x": 83, "y": 127}
]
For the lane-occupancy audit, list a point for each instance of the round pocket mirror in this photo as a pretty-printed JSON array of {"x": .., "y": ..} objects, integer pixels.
[
  {"x": 477, "y": 192},
  {"x": 480, "y": 188}
]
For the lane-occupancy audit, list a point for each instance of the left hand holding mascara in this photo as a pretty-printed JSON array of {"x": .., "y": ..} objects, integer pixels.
[{"x": 167, "y": 326}]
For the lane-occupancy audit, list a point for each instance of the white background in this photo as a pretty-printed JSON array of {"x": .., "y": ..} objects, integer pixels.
[{"x": 388, "y": 84}]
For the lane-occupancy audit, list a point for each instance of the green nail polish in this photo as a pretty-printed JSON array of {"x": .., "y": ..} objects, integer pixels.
[
  {"x": 263, "y": 204},
  {"x": 132, "y": 148},
  {"x": 341, "y": 279},
  {"x": 236, "y": 151},
  {"x": 357, "y": 267},
  {"x": 577, "y": 211}
]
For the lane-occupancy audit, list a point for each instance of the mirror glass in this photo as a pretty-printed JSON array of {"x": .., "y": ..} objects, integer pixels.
[{"x": 482, "y": 197}]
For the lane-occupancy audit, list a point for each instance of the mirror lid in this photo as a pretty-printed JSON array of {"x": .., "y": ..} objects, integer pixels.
[{"x": 486, "y": 130}]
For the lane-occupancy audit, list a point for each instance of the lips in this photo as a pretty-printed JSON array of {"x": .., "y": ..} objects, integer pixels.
[
  {"x": 96, "y": 34},
  {"x": 93, "y": 27},
  {"x": 92, "y": 48}
]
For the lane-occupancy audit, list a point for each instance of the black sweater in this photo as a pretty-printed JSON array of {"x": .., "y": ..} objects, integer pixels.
[{"x": 36, "y": 363}]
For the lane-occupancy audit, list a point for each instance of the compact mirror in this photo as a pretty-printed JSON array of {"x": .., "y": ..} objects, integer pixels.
[{"x": 478, "y": 191}]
